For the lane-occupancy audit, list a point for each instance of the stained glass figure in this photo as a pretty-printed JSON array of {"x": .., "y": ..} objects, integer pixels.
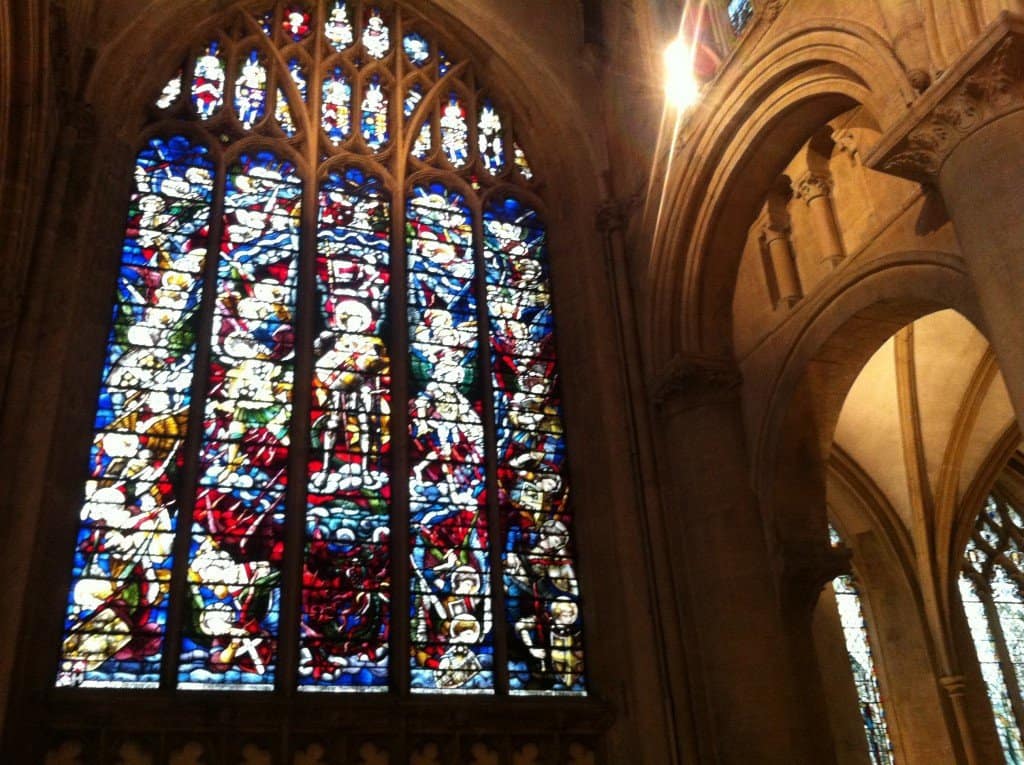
[
  {"x": 237, "y": 546},
  {"x": 295, "y": 22},
  {"x": 521, "y": 162},
  {"x": 169, "y": 95},
  {"x": 116, "y": 619},
  {"x": 251, "y": 91},
  {"x": 541, "y": 588},
  {"x": 412, "y": 99},
  {"x": 375, "y": 114},
  {"x": 450, "y": 630},
  {"x": 990, "y": 590},
  {"x": 376, "y": 36},
  {"x": 337, "y": 106},
  {"x": 346, "y": 604},
  {"x": 283, "y": 111},
  {"x": 455, "y": 131},
  {"x": 417, "y": 48},
  {"x": 338, "y": 29},
  {"x": 491, "y": 140},
  {"x": 232, "y": 476},
  {"x": 208, "y": 82},
  {"x": 858, "y": 650},
  {"x": 424, "y": 142}
]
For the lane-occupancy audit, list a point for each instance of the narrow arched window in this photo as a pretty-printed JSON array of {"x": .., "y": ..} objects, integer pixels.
[
  {"x": 328, "y": 450},
  {"x": 990, "y": 589},
  {"x": 862, "y": 664}
]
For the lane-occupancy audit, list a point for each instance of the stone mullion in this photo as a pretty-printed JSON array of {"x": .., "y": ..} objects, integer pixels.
[
  {"x": 296, "y": 497},
  {"x": 495, "y": 528},
  {"x": 400, "y": 651}
]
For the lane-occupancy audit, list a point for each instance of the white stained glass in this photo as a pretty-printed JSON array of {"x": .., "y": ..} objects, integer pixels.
[
  {"x": 988, "y": 659},
  {"x": 170, "y": 92},
  {"x": 376, "y": 37},
  {"x": 851, "y": 615},
  {"x": 522, "y": 163},
  {"x": 338, "y": 29}
]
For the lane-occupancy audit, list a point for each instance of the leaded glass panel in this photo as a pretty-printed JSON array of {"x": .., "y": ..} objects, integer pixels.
[
  {"x": 990, "y": 590},
  {"x": 862, "y": 663},
  {"x": 253, "y": 390}
]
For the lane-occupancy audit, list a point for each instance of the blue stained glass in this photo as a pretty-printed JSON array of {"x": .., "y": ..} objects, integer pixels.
[
  {"x": 238, "y": 522},
  {"x": 444, "y": 63},
  {"x": 740, "y": 12},
  {"x": 375, "y": 115},
  {"x": 541, "y": 587},
  {"x": 416, "y": 48},
  {"x": 337, "y": 106},
  {"x": 116, "y": 617},
  {"x": 345, "y": 597},
  {"x": 451, "y": 622}
]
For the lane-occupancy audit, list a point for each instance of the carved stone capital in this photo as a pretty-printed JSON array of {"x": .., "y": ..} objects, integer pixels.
[
  {"x": 954, "y": 685},
  {"x": 692, "y": 380},
  {"x": 805, "y": 568},
  {"x": 985, "y": 84},
  {"x": 813, "y": 185},
  {"x": 773, "y": 231}
]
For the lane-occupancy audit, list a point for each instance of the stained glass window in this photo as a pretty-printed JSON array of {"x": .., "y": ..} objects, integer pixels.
[
  {"x": 374, "y": 486},
  {"x": 740, "y": 12},
  {"x": 862, "y": 663},
  {"x": 990, "y": 590}
]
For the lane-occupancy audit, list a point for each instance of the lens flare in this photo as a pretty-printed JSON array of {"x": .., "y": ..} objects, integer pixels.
[{"x": 681, "y": 87}]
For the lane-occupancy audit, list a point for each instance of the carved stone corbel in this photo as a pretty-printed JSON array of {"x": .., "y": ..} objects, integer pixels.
[
  {"x": 805, "y": 569},
  {"x": 692, "y": 380},
  {"x": 614, "y": 214},
  {"x": 986, "y": 84}
]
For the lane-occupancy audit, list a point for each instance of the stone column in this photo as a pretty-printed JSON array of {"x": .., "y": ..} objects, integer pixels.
[
  {"x": 816, "y": 190},
  {"x": 966, "y": 136},
  {"x": 776, "y": 239},
  {"x": 955, "y": 688},
  {"x": 758, "y": 709}
]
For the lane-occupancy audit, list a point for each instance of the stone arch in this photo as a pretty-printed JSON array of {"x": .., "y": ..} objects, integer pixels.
[
  {"x": 794, "y": 467},
  {"x": 771, "y": 108},
  {"x": 847, "y": 327}
]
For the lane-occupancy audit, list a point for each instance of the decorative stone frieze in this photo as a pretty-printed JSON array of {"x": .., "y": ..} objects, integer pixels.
[
  {"x": 693, "y": 380},
  {"x": 985, "y": 85}
]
